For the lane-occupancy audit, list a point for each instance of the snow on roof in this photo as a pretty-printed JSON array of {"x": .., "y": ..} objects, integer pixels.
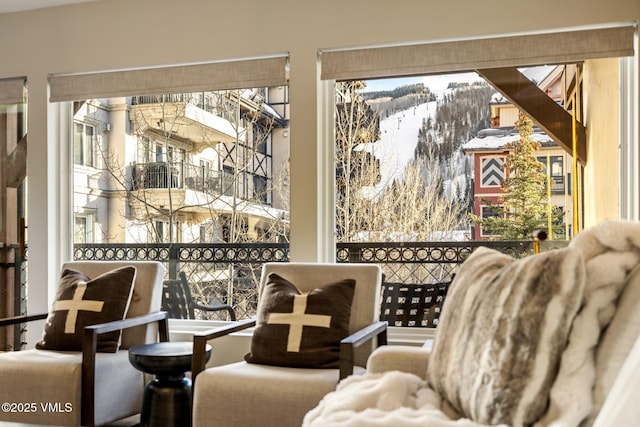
[
  {"x": 496, "y": 139},
  {"x": 269, "y": 110},
  {"x": 536, "y": 74}
]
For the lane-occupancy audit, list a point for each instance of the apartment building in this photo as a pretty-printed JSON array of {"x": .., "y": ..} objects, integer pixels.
[{"x": 182, "y": 167}]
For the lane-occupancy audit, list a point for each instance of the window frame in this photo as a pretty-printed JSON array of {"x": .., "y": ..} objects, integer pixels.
[{"x": 82, "y": 144}]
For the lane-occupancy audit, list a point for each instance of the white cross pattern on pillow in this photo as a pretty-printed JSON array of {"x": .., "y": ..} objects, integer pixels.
[
  {"x": 297, "y": 320},
  {"x": 76, "y": 304}
]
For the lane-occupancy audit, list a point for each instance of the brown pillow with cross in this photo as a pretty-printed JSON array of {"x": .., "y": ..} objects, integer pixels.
[
  {"x": 82, "y": 301},
  {"x": 301, "y": 330}
]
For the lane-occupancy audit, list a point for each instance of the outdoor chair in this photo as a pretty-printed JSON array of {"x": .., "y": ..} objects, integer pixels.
[
  {"x": 86, "y": 386},
  {"x": 413, "y": 305},
  {"x": 177, "y": 300},
  {"x": 291, "y": 366}
]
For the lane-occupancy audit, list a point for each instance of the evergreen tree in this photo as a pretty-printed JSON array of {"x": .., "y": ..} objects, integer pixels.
[{"x": 524, "y": 206}]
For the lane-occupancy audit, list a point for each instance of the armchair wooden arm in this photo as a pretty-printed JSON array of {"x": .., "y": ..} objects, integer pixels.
[
  {"x": 89, "y": 349},
  {"x": 199, "y": 361},
  {"x": 355, "y": 340},
  {"x": 22, "y": 319}
]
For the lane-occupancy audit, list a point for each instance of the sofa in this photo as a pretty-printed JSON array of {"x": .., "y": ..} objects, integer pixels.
[{"x": 548, "y": 340}]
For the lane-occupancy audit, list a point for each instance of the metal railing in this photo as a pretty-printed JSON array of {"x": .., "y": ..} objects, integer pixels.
[
  {"x": 231, "y": 272},
  {"x": 161, "y": 175},
  {"x": 423, "y": 262},
  {"x": 224, "y": 272}
]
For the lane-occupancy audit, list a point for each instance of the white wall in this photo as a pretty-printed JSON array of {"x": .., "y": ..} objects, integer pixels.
[{"x": 116, "y": 34}]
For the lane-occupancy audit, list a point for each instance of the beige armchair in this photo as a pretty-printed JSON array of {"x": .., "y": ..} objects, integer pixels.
[
  {"x": 617, "y": 357},
  {"x": 550, "y": 339},
  {"x": 86, "y": 387},
  {"x": 255, "y": 394}
]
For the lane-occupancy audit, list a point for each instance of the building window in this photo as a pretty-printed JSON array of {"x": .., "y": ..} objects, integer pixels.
[
  {"x": 165, "y": 233},
  {"x": 84, "y": 144},
  {"x": 260, "y": 189},
  {"x": 492, "y": 171},
  {"x": 487, "y": 212},
  {"x": 160, "y": 228},
  {"x": 559, "y": 182},
  {"x": 83, "y": 228}
]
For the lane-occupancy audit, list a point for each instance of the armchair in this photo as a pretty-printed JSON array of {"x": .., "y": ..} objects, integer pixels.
[
  {"x": 560, "y": 346},
  {"x": 251, "y": 394},
  {"x": 86, "y": 387}
]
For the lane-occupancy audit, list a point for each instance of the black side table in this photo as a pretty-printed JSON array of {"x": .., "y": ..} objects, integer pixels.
[{"x": 167, "y": 398}]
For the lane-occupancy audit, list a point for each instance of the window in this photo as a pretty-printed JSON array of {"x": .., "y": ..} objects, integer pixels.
[
  {"x": 386, "y": 80},
  {"x": 189, "y": 156},
  {"x": 260, "y": 189},
  {"x": 161, "y": 231},
  {"x": 84, "y": 144},
  {"x": 560, "y": 183},
  {"x": 13, "y": 205},
  {"x": 84, "y": 228},
  {"x": 487, "y": 212}
]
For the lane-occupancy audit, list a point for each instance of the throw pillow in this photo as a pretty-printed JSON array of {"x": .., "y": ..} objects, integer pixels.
[
  {"x": 301, "y": 330},
  {"x": 502, "y": 331},
  {"x": 82, "y": 301}
]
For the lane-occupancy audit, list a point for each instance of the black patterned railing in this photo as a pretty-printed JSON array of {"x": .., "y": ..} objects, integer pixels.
[
  {"x": 220, "y": 272},
  {"x": 423, "y": 262},
  {"x": 230, "y": 273}
]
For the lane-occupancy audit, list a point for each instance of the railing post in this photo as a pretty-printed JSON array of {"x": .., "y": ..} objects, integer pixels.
[
  {"x": 354, "y": 253},
  {"x": 19, "y": 286},
  {"x": 174, "y": 256}
]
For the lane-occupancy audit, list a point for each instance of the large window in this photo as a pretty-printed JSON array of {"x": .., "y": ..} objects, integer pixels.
[
  {"x": 180, "y": 170},
  {"x": 444, "y": 137},
  {"x": 187, "y": 157}
]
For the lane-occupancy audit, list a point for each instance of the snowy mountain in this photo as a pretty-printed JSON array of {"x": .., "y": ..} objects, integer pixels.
[{"x": 397, "y": 144}]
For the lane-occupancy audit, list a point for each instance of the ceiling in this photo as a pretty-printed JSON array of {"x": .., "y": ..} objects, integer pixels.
[{"x": 7, "y": 6}]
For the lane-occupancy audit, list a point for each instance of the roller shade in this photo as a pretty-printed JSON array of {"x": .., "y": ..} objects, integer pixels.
[
  {"x": 467, "y": 55},
  {"x": 12, "y": 91},
  {"x": 247, "y": 73}
]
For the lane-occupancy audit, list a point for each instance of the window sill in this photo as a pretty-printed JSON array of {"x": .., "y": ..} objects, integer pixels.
[{"x": 183, "y": 330}]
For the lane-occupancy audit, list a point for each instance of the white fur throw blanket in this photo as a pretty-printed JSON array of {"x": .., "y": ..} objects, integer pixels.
[{"x": 610, "y": 251}]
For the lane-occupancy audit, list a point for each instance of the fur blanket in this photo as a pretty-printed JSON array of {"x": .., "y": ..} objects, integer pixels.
[{"x": 610, "y": 251}]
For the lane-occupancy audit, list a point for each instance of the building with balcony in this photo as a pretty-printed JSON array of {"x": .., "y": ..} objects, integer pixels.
[{"x": 189, "y": 167}]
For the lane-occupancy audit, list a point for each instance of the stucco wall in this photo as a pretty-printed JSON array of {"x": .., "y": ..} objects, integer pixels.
[{"x": 601, "y": 174}]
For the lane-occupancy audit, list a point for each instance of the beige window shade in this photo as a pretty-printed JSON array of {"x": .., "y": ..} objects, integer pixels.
[
  {"x": 468, "y": 55},
  {"x": 12, "y": 91},
  {"x": 248, "y": 73}
]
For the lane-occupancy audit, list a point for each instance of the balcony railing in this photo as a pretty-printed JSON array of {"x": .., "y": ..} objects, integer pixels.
[
  {"x": 558, "y": 184},
  {"x": 202, "y": 100},
  {"x": 231, "y": 272},
  {"x": 161, "y": 175}
]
